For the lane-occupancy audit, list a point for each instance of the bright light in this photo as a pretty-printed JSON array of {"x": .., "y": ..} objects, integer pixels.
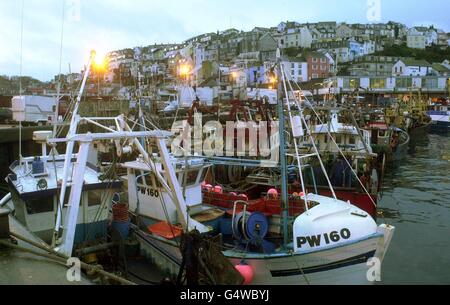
[
  {"x": 234, "y": 75},
  {"x": 184, "y": 69},
  {"x": 273, "y": 80},
  {"x": 100, "y": 62}
]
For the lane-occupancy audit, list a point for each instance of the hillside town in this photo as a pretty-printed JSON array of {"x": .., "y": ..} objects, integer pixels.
[
  {"x": 353, "y": 55},
  {"x": 298, "y": 154}
]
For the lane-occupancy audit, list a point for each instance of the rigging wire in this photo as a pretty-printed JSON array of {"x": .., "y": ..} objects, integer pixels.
[{"x": 332, "y": 139}]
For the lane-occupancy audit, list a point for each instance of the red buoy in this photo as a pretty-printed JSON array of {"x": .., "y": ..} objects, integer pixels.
[
  {"x": 273, "y": 193},
  {"x": 218, "y": 189},
  {"x": 243, "y": 196},
  {"x": 247, "y": 273}
]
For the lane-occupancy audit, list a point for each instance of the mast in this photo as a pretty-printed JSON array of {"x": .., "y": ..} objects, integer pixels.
[
  {"x": 283, "y": 163},
  {"x": 69, "y": 151}
]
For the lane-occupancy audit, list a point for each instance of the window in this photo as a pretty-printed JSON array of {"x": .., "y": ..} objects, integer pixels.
[
  {"x": 338, "y": 139},
  {"x": 403, "y": 82},
  {"x": 314, "y": 60},
  {"x": 95, "y": 198},
  {"x": 430, "y": 83},
  {"x": 314, "y": 67},
  {"x": 352, "y": 140},
  {"x": 39, "y": 205},
  {"x": 351, "y": 83},
  {"x": 191, "y": 178},
  {"x": 377, "y": 83},
  {"x": 323, "y": 60}
]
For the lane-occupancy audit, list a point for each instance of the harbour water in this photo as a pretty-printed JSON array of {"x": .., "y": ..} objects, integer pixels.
[{"x": 417, "y": 202}]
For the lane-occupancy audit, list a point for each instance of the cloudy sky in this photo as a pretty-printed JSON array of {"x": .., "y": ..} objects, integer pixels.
[{"x": 112, "y": 24}]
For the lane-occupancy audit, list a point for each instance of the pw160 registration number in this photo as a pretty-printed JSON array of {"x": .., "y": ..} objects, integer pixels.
[{"x": 327, "y": 238}]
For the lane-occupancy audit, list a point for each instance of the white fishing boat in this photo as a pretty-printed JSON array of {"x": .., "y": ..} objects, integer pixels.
[
  {"x": 440, "y": 119},
  {"x": 330, "y": 242}
]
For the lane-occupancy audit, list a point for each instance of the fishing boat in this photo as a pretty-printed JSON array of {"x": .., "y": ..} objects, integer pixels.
[
  {"x": 388, "y": 141},
  {"x": 40, "y": 187},
  {"x": 311, "y": 239},
  {"x": 440, "y": 116}
]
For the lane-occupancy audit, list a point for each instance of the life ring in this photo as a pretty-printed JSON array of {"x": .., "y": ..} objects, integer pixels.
[{"x": 42, "y": 184}]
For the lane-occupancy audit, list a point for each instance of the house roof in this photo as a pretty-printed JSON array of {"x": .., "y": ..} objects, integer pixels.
[
  {"x": 294, "y": 59},
  {"x": 316, "y": 54},
  {"x": 440, "y": 68},
  {"x": 416, "y": 62}
]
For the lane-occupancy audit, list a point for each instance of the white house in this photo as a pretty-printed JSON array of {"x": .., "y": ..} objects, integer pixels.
[
  {"x": 297, "y": 68},
  {"x": 446, "y": 63},
  {"x": 416, "y": 39},
  {"x": 300, "y": 37},
  {"x": 411, "y": 67},
  {"x": 344, "y": 31}
]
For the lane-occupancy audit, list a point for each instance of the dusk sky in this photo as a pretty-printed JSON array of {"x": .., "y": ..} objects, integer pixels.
[{"x": 108, "y": 25}]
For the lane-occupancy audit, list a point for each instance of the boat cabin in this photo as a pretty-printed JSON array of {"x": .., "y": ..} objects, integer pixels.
[{"x": 35, "y": 186}]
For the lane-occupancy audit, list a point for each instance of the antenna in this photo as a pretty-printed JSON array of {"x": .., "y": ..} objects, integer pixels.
[
  {"x": 20, "y": 80},
  {"x": 55, "y": 123}
]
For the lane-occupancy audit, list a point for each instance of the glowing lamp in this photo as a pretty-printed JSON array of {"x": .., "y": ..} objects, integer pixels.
[
  {"x": 184, "y": 69},
  {"x": 247, "y": 273}
]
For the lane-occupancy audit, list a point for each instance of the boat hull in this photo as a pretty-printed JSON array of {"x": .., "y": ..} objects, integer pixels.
[{"x": 356, "y": 263}]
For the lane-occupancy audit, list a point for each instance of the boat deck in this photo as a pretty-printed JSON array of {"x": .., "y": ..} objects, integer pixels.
[{"x": 21, "y": 268}]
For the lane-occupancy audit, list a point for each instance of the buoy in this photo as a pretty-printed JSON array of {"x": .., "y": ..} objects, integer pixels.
[
  {"x": 247, "y": 272},
  {"x": 244, "y": 197},
  {"x": 218, "y": 189},
  {"x": 302, "y": 194},
  {"x": 208, "y": 187},
  {"x": 273, "y": 193},
  {"x": 233, "y": 194},
  {"x": 296, "y": 195}
]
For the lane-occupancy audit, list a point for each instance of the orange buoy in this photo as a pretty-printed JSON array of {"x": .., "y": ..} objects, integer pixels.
[
  {"x": 247, "y": 273},
  {"x": 208, "y": 187}
]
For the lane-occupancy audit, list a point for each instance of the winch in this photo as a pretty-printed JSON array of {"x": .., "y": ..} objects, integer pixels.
[{"x": 250, "y": 227}]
